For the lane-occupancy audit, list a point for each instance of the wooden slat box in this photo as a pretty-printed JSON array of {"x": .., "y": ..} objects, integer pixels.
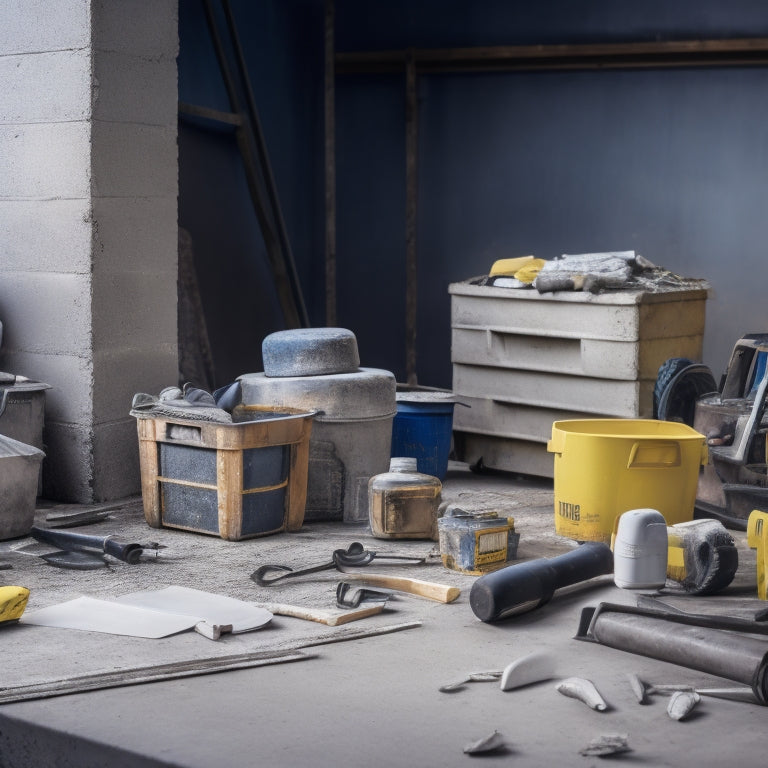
[{"x": 236, "y": 481}]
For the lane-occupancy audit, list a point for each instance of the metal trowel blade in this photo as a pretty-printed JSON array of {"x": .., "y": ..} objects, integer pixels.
[{"x": 78, "y": 561}]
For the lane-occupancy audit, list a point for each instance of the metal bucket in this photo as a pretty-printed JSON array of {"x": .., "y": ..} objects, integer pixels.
[{"x": 19, "y": 470}]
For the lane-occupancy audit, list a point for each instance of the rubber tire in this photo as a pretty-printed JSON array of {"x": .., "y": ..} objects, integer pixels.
[{"x": 667, "y": 371}]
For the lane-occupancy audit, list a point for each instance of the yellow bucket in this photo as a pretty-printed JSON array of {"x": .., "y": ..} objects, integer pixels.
[{"x": 604, "y": 467}]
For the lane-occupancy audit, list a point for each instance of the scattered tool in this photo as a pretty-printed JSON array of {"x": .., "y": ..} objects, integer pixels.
[
  {"x": 673, "y": 638},
  {"x": 702, "y": 556},
  {"x": 524, "y": 586},
  {"x": 757, "y": 539},
  {"x": 354, "y": 556},
  {"x": 329, "y": 618},
  {"x": 13, "y": 601},
  {"x": 96, "y": 546},
  {"x": 442, "y": 593},
  {"x": 348, "y": 596}
]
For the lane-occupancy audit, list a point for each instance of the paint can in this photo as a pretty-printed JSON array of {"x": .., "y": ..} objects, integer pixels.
[
  {"x": 423, "y": 428},
  {"x": 403, "y": 502},
  {"x": 478, "y": 542}
]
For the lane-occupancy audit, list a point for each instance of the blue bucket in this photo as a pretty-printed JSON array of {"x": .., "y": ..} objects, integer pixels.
[{"x": 422, "y": 430}]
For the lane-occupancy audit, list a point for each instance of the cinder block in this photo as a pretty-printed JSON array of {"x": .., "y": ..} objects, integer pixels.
[
  {"x": 45, "y": 87},
  {"x": 131, "y": 160},
  {"x": 135, "y": 234},
  {"x": 31, "y": 26},
  {"x": 46, "y": 312},
  {"x": 116, "y": 455},
  {"x": 68, "y": 463},
  {"x": 134, "y": 310},
  {"x": 69, "y": 400},
  {"x": 135, "y": 90},
  {"x": 120, "y": 374},
  {"x": 45, "y": 160},
  {"x": 147, "y": 28},
  {"x": 45, "y": 236}
]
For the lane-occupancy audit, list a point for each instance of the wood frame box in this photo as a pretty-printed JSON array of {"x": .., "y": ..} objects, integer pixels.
[{"x": 236, "y": 481}]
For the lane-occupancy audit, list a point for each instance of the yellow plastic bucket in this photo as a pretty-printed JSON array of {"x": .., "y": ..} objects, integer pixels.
[{"x": 604, "y": 467}]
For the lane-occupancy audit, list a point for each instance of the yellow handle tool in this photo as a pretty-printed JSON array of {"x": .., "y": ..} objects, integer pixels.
[{"x": 757, "y": 538}]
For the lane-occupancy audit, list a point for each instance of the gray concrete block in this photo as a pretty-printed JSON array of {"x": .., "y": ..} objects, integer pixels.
[
  {"x": 135, "y": 234},
  {"x": 147, "y": 28},
  {"x": 30, "y": 26},
  {"x": 116, "y": 454},
  {"x": 68, "y": 465},
  {"x": 45, "y": 87},
  {"x": 131, "y": 160},
  {"x": 71, "y": 379},
  {"x": 45, "y": 236},
  {"x": 45, "y": 161},
  {"x": 120, "y": 374},
  {"x": 46, "y": 312},
  {"x": 135, "y": 90},
  {"x": 133, "y": 310}
]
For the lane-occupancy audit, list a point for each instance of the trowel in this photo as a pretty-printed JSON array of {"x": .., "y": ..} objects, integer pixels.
[{"x": 78, "y": 551}]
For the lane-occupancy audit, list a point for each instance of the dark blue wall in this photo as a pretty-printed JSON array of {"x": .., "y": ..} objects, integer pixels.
[{"x": 672, "y": 163}]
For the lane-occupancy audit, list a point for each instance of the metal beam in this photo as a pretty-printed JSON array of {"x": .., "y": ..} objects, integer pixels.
[{"x": 751, "y": 51}]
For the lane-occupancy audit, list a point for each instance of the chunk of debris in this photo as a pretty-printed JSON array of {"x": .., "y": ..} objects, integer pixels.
[
  {"x": 583, "y": 690},
  {"x": 532, "y": 668},
  {"x": 490, "y": 743},
  {"x": 607, "y": 744},
  {"x": 682, "y": 703}
]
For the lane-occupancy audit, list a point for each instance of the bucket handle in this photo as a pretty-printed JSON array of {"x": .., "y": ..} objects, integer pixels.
[{"x": 647, "y": 454}]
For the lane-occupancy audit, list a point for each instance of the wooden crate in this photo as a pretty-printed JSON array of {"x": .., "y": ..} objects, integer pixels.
[{"x": 236, "y": 481}]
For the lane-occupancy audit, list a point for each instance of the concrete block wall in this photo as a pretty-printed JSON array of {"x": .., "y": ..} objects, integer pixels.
[{"x": 88, "y": 226}]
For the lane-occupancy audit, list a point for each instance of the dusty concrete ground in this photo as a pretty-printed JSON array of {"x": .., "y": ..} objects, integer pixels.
[{"x": 369, "y": 701}]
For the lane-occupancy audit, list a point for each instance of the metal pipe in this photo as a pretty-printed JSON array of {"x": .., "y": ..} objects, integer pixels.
[
  {"x": 269, "y": 180},
  {"x": 330, "y": 166},
  {"x": 717, "y": 652},
  {"x": 411, "y": 200}
]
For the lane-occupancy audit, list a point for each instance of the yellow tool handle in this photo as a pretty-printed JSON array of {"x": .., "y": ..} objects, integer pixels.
[{"x": 442, "y": 593}]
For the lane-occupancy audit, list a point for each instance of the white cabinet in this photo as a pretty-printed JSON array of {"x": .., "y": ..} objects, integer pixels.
[{"x": 522, "y": 360}]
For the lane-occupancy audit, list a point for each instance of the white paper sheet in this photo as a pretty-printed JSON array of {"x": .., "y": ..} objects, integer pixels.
[
  {"x": 213, "y": 609},
  {"x": 88, "y": 613}
]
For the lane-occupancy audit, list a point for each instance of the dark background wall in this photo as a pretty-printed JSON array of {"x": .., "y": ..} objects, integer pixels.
[{"x": 671, "y": 162}]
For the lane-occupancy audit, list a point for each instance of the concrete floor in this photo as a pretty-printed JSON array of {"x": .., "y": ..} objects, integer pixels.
[{"x": 372, "y": 701}]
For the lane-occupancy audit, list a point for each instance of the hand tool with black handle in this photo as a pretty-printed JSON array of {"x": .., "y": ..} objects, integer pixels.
[
  {"x": 524, "y": 586},
  {"x": 81, "y": 542}
]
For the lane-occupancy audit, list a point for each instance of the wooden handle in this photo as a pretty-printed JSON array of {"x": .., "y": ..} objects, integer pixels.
[
  {"x": 442, "y": 593},
  {"x": 331, "y": 618}
]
